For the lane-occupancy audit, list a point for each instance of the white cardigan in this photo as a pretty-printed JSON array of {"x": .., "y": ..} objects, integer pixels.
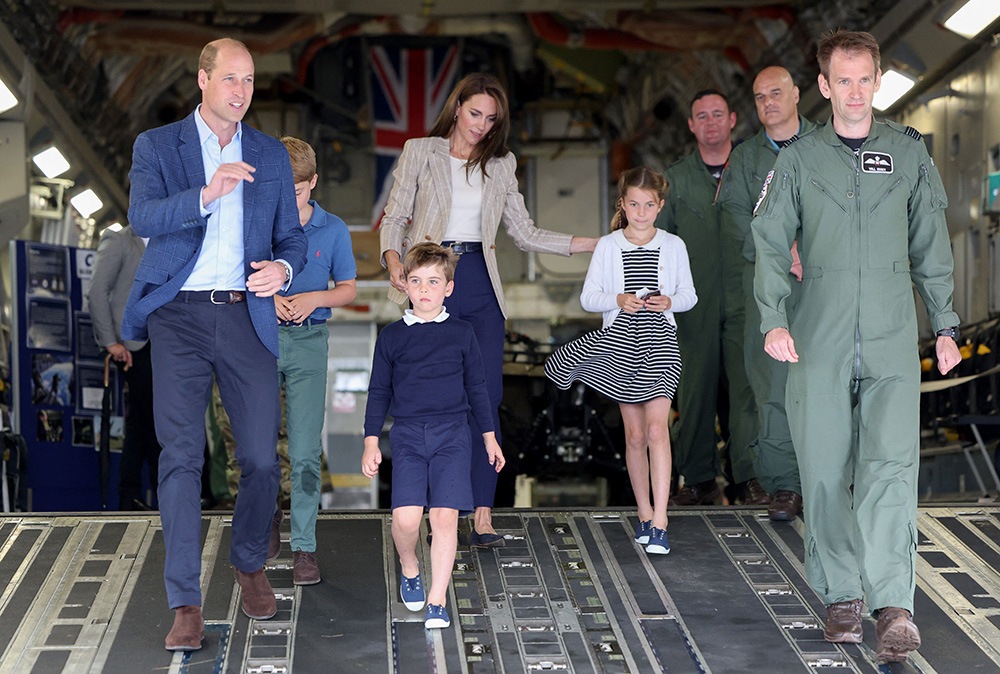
[{"x": 606, "y": 275}]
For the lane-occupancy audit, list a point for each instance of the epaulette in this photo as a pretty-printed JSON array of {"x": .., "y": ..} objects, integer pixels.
[{"x": 905, "y": 130}]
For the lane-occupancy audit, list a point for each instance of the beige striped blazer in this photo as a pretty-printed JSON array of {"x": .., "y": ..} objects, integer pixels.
[{"x": 420, "y": 204}]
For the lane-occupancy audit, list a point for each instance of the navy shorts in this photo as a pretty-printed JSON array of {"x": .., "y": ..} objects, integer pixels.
[{"x": 431, "y": 465}]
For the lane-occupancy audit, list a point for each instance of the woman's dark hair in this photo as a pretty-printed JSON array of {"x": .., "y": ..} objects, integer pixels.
[{"x": 494, "y": 143}]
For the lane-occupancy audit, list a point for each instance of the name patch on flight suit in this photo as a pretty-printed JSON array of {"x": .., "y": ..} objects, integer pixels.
[
  {"x": 876, "y": 162},
  {"x": 763, "y": 191}
]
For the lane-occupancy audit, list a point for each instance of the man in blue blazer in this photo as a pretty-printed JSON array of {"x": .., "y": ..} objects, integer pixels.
[{"x": 217, "y": 201}]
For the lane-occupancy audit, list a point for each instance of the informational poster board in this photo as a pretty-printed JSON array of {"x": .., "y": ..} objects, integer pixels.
[{"x": 58, "y": 379}]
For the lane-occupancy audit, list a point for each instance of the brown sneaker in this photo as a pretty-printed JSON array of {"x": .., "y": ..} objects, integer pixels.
[
  {"x": 305, "y": 570},
  {"x": 274, "y": 543},
  {"x": 258, "y": 600},
  {"x": 843, "y": 622},
  {"x": 896, "y": 634},
  {"x": 785, "y": 507},
  {"x": 754, "y": 494},
  {"x": 703, "y": 493},
  {"x": 188, "y": 629}
]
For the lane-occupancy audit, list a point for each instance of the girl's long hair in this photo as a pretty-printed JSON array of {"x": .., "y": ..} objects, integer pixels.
[
  {"x": 494, "y": 143},
  {"x": 643, "y": 178}
]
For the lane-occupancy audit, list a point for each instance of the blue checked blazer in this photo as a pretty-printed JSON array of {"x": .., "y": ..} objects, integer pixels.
[{"x": 164, "y": 204}]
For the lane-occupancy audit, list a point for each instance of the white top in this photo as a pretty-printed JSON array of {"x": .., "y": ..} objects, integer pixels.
[
  {"x": 465, "y": 222},
  {"x": 606, "y": 275}
]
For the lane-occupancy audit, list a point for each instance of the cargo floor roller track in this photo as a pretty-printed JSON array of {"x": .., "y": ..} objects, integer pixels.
[{"x": 570, "y": 592}]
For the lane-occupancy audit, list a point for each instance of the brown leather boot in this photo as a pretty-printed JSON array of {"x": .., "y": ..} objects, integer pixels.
[
  {"x": 274, "y": 543},
  {"x": 703, "y": 493},
  {"x": 258, "y": 599},
  {"x": 754, "y": 493},
  {"x": 305, "y": 570},
  {"x": 896, "y": 634},
  {"x": 843, "y": 622},
  {"x": 188, "y": 629},
  {"x": 785, "y": 507}
]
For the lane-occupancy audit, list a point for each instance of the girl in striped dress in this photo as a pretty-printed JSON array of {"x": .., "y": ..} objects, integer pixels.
[{"x": 639, "y": 276}]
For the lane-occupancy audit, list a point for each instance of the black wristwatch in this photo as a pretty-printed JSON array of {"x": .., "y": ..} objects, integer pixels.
[{"x": 952, "y": 332}]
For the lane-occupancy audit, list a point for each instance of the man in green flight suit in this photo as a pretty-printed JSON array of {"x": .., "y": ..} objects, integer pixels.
[
  {"x": 866, "y": 204},
  {"x": 712, "y": 332},
  {"x": 777, "y": 98}
]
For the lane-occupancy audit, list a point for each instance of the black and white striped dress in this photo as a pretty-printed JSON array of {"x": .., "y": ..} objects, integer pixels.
[{"x": 633, "y": 360}]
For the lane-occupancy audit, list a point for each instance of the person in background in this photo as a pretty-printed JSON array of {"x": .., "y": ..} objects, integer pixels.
[
  {"x": 711, "y": 334},
  {"x": 776, "y": 97},
  {"x": 118, "y": 255}
]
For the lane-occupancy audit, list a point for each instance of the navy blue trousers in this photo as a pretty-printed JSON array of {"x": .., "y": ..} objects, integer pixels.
[
  {"x": 190, "y": 342},
  {"x": 474, "y": 301}
]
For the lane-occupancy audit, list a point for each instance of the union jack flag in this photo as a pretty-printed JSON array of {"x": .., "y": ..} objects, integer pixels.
[{"x": 409, "y": 88}]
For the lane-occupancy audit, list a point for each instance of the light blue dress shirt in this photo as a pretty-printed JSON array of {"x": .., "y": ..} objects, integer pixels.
[{"x": 220, "y": 263}]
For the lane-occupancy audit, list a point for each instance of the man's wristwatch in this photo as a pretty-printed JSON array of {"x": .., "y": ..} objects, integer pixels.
[{"x": 952, "y": 332}]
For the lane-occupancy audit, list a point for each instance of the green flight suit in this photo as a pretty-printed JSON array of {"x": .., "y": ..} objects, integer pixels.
[
  {"x": 870, "y": 226},
  {"x": 712, "y": 332},
  {"x": 773, "y": 456}
]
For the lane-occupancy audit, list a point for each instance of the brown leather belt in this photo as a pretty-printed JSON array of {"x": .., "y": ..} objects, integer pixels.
[{"x": 213, "y": 296}]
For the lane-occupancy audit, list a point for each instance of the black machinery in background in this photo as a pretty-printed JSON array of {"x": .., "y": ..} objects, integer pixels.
[
  {"x": 960, "y": 418},
  {"x": 568, "y": 447}
]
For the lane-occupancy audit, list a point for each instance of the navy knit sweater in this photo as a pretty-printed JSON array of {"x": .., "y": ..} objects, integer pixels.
[{"x": 427, "y": 372}]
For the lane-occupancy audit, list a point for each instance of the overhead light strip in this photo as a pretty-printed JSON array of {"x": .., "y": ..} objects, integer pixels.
[
  {"x": 7, "y": 98},
  {"x": 87, "y": 203},
  {"x": 973, "y": 17},
  {"x": 51, "y": 162},
  {"x": 894, "y": 85}
]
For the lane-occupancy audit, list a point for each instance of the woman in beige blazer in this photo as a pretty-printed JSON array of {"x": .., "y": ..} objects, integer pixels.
[{"x": 468, "y": 140}]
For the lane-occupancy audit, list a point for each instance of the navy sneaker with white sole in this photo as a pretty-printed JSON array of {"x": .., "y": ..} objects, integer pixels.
[
  {"x": 658, "y": 543},
  {"x": 642, "y": 531},
  {"x": 436, "y": 617},
  {"x": 411, "y": 591}
]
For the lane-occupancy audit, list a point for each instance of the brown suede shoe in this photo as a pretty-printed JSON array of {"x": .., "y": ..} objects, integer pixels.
[
  {"x": 188, "y": 629},
  {"x": 258, "y": 599},
  {"x": 305, "y": 570},
  {"x": 785, "y": 507},
  {"x": 703, "y": 493},
  {"x": 896, "y": 634},
  {"x": 274, "y": 543},
  {"x": 754, "y": 494},
  {"x": 843, "y": 622}
]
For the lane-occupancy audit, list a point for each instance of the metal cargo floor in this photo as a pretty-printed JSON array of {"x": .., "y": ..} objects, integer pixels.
[{"x": 570, "y": 592}]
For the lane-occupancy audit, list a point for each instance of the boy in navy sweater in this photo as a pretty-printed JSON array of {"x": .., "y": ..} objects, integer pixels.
[{"x": 428, "y": 373}]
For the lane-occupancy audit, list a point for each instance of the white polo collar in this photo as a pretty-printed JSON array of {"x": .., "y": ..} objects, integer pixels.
[{"x": 410, "y": 319}]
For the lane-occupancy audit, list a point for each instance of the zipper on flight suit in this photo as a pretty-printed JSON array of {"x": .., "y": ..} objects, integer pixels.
[
  {"x": 857, "y": 329},
  {"x": 823, "y": 190},
  {"x": 886, "y": 195}
]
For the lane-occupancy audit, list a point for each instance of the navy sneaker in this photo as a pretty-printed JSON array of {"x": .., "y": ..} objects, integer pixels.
[
  {"x": 478, "y": 540},
  {"x": 642, "y": 531},
  {"x": 411, "y": 590},
  {"x": 436, "y": 617},
  {"x": 658, "y": 543}
]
